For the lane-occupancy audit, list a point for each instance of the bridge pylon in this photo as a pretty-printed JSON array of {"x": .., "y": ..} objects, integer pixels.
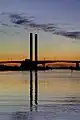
[{"x": 77, "y": 64}]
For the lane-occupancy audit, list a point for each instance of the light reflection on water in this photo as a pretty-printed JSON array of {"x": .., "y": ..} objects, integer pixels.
[{"x": 59, "y": 95}]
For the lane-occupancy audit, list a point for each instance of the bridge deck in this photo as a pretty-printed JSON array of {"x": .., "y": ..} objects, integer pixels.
[{"x": 41, "y": 61}]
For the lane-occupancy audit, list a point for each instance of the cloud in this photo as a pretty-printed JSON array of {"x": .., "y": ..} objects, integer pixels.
[
  {"x": 19, "y": 20},
  {"x": 71, "y": 34}
]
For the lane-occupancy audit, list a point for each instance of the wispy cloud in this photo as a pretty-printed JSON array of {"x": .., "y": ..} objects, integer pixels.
[
  {"x": 19, "y": 20},
  {"x": 71, "y": 34}
]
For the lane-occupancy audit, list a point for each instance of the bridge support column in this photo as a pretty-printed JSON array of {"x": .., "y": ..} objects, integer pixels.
[
  {"x": 77, "y": 64},
  {"x": 31, "y": 46},
  {"x": 44, "y": 65}
]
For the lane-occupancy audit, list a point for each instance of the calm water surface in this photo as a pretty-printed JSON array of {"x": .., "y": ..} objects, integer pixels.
[{"x": 58, "y": 94}]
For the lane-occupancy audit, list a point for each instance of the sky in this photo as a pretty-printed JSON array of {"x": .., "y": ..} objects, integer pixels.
[{"x": 57, "y": 23}]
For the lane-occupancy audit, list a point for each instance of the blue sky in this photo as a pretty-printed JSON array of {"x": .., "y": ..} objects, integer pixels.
[{"x": 63, "y": 15}]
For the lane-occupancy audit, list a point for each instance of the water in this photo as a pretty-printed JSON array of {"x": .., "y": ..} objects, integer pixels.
[{"x": 58, "y": 96}]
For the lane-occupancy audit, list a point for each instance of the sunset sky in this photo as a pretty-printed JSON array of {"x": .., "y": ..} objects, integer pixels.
[{"x": 57, "y": 23}]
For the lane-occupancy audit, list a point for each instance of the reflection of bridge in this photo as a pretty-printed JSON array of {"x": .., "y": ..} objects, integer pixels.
[{"x": 42, "y": 62}]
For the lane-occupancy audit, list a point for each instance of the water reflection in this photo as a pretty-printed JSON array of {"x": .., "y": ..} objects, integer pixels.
[
  {"x": 20, "y": 116},
  {"x": 31, "y": 90},
  {"x": 50, "y": 112},
  {"x": 36, "y": 90},
  {"x": 58, "y": 96}
]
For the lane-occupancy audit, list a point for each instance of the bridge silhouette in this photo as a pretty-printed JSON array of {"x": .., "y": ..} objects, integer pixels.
[
  {"x": 35, "y": 62},
  {"x": 42, "y": 62}
]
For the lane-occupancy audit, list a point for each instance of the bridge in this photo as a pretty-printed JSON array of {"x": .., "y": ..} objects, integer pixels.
[
  {"x": 42, "y": 61},
  {"x": 36, "y": 62}
]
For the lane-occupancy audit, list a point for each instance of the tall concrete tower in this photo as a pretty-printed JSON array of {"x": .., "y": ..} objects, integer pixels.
[
  {"x": 31, "y": 46},
  {"x": 36, "y": 47}
]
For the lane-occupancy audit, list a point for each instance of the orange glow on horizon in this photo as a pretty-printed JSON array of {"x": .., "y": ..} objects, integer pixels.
[{"x": 6, "y": 57}]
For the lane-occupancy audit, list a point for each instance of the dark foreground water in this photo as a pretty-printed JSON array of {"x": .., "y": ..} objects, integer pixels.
[{"x": 58, "y": 96}]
